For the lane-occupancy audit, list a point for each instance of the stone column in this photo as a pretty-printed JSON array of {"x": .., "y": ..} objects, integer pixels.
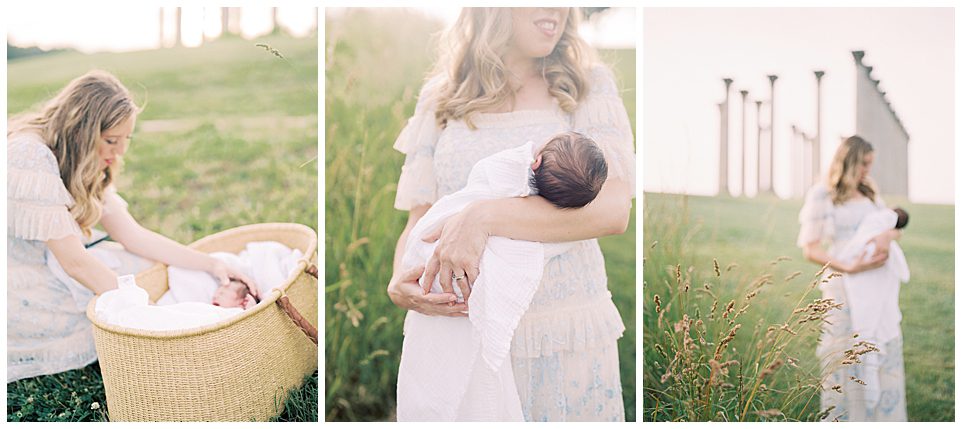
[
  {"x": 771, "y": 134},
  {"x": 744, "y": 145},
  {"x": 817, "y": 143},
  {"x": 723, "y": 147},
  {"x": 758, "y": 145}
]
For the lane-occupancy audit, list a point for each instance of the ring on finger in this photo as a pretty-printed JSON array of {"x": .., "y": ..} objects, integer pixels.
[{"x": 456, "y": 277}]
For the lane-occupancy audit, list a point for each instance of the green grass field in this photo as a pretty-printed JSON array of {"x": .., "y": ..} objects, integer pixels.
[
  {"x": 228, "y": 137},
  {"x": 372, "y": 80},
  {"x": 691, "y": 231}
]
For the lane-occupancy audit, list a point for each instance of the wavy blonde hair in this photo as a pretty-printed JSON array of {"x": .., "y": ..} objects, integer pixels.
[
  {"x": 71, "y": 124},
  {"x": 471, "y": 61},
  {"x": 843, "y": 182}
]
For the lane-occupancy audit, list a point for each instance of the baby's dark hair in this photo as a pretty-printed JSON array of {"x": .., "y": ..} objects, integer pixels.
[
  {"x": 572, "y": 170},
  {"x": 903, "y": 218}
]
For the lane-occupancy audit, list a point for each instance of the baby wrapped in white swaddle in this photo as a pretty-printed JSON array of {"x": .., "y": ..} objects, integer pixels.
[
  {"x": 478, "y": 382},
  {"x": 194, "y": 298},
  {"x": 873, "y": 295}
]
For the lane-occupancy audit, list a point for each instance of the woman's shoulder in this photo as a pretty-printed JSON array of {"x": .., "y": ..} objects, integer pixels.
[
  {"x": 601, "y": 80},
  {"x": 430, "y": 92},
  {"x": 818, "y": 191},
  {"x": 27, "y": 151}
]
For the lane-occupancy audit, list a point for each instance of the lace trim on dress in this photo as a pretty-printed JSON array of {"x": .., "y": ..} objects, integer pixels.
[
  {"x": 418, "y": 184},
  {"x": 515, "y": 119},
  {"x": 37, "y": 186},
  {"x": 39, "y": 222},
  {"x": 586, "y": 327}
]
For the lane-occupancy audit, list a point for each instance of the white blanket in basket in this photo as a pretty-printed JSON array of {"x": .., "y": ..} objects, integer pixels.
[
  {"x": 129, "y": 306},
  {"x": 268, "y": 263}
]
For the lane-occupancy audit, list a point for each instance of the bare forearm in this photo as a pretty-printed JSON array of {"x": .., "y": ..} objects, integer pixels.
[
  {"x": 91, "y": 273},
  {"x": 535, "y": 219},
  {"x": 399, "y": 249},
  {"x": 818, "y": 255},
  {"x": 81, "y": 265},
  {"x": 414, "y": 216},
  {"x": 152, "y": 245}
]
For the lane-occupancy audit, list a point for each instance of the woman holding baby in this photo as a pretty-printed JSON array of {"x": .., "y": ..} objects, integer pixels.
[
  {"x": 61, "y": 166},
  {"x": 507, "y": 76},
  {"x": 831, "y": 215}
]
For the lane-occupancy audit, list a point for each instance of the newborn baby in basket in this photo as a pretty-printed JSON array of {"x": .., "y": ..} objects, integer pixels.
[
  {"x": 194, "y": 298},
  {"x": 477, "y": 382}
]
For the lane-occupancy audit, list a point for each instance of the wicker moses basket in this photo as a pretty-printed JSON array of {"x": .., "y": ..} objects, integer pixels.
[{"x": 237, "y": 370}]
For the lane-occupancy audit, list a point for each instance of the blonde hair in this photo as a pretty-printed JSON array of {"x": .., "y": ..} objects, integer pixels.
[
  {"x": 471, "y": 61},
  {"x": 71, "y": 125},
  {"x": 843, "y": 181}
]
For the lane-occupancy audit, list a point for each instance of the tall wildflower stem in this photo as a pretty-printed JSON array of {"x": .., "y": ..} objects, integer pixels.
[{"x": 779, "y": 335}]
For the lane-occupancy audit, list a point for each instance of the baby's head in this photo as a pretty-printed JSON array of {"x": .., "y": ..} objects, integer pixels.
[
  {"x": 903, "y": 218},
  {"x": 232, "y": 295},
  {"x": 569, "y": 170}
]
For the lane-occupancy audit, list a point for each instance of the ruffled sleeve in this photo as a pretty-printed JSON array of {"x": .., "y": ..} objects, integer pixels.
[
  {"x": 816, "y": 218},
  {"x": 417, "y": 184},
  {"x": 37, "y": 200},
  {"x": 602, "y": 117}
]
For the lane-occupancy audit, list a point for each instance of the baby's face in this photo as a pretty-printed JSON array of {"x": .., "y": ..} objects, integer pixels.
[{"x": 231, "y": 295}]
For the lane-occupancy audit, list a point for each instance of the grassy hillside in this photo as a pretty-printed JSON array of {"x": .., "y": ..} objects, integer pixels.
[
  {"x": 752, "y": 233},
  {"x": 228, "y": 137},
  {"x": 373, "y": 78}
]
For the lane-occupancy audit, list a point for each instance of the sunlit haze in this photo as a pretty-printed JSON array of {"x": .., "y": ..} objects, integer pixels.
[{"x": 134, "y": 27}]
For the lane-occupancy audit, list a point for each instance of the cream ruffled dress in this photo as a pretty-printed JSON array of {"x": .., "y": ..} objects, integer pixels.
[
  {"x": 564, "y": 352},
  {"x": 47, "y": 329},
  {"x": 885, "y": 401}
]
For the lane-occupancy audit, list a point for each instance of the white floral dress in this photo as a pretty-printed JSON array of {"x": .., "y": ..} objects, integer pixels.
[
  {"x": 47, "y": 329},
  {"x": 564, "y": 352},
  {"x": 836, "y": 224}
]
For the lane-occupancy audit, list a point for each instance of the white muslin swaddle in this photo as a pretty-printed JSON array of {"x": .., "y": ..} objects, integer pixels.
[
  {"x": 129, "y": 306},
  {"x": 456, "y": 369},
  {"x": 873, "y": 295}
]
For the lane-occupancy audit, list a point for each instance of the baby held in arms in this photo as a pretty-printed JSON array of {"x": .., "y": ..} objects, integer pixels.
[
  {"x": 568, "y": 171},
  {"x": 873, "y": 295}
]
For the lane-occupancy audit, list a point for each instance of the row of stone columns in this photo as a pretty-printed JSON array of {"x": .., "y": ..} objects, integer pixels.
[{"x": 812, "y": 144}]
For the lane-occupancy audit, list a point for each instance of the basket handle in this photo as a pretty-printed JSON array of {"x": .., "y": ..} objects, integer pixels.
[
  {"x": 298, "y": 320},
  {"x": 295, "y": 315}
]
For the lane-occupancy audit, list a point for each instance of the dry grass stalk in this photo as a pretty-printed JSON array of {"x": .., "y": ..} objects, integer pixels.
[
  {"x": 769, "y": 413},
  {"x": 724, "y": 342},
  {"x": 771, "y": 368}
]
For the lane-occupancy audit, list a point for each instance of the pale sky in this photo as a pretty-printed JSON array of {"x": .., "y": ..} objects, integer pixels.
[
  {"x": 614, "y": 28},
  {"x": 131, "y": 27},
  {"x": 688, "y": 51}
]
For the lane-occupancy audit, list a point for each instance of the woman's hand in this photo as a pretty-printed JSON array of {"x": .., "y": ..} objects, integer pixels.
[
  {"x": 405, "y": 292},
  {"x": 457, "y": 257},
  {"x": 225, "y": 273},
  {"x": 883, "y": 241},
  {"x": 861, "y": 264}
]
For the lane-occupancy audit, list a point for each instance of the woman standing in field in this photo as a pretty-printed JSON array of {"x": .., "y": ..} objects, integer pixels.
[
  {"x": 507, "y": 76},
  {"x": 61, "y": 166},
  {"x": 831, "y": 215}
]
